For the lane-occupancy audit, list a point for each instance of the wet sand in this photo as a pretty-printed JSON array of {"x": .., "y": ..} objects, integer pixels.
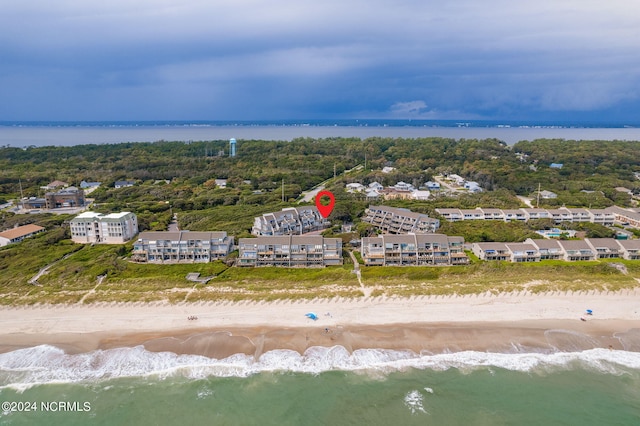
[{"x": 505, "y": 323}]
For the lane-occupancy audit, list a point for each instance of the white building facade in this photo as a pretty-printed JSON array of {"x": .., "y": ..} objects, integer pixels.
[{"x": 114, "y": 228}]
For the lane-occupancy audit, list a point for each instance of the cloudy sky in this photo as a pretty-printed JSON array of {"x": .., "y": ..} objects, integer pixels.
[{"x": 301, "y": 59}]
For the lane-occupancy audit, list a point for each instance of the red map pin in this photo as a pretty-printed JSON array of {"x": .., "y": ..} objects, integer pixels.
[{"x": 325, "y": 210}]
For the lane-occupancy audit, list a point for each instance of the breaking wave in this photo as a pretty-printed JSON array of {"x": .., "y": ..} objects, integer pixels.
[{"x": 44, "y": 364}]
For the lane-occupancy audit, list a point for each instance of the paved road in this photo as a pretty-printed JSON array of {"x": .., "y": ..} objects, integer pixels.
[
  {"x": 310, "y": 195},
  {"x": 173, "y": 225},
  {"x": 525, "y": 200}
]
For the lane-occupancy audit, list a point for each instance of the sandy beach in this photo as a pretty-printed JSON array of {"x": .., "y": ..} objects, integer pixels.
[{"x": 494, "y": 323}]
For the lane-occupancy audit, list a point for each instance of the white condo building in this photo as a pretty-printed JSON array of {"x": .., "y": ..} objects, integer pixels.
[{"x": 114, "y": 228}]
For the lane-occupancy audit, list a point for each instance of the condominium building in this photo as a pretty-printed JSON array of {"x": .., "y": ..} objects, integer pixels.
[
  {"x": 290, "y": 251},
  {"x": 629, "y": 217},
  {"x": 181, "y": 247},
  {"x": 290, "y": 221},
  {"x": 607, "y": 216},
  {"x": 114, "y": 228},
  {"x": 533, "y": 250},
  {"x": 393, "y": 220},
  {"x": 548, "y": 249},
  {"x": 575, "y": 250},
  {"x": 630, "y": 249},
  {"x": 413, "y": 249},
  {"x": 491, "y": 251}
]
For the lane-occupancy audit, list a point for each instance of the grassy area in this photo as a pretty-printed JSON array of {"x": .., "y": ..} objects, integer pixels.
[
  {"x": 103, "y": 273},
  {"x": 74, "y": 271},
  {"x": 497, "y": 277}
]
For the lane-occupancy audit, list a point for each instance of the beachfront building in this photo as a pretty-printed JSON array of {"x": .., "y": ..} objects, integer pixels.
[
  {"x": 290, "y": 221},
  {"x": 511, "y": 252},
  {"x": 413, "y": 250},
  {"x": 19, "y": 233},
  {"x": 575, "y": 250},
  {"x": 181, "y": 247},
  {"x": 630, "y": 249},
  {"x": 605, "y": 248},
  {"x": 548, "y": 249},
  {"x": 114, "y": 228},
  {"x": 533, "y": 250},
  {"x": 394, "y": 220},
  {"x": 290, "y": 251}
]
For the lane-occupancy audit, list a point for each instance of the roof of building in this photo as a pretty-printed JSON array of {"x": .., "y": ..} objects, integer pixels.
[
  {"x": 609, "y": 243},
  {"x": 491, "y": 246},
  {"x": 574, "y": 245},
  {"x": 629, "y": 213},
  {"x": 95, "y": 215},
  {"x": 630, "y": 244},
  {"x": 119, "y": 215},
  {"x": 181, "y": 235},
  {"x": 287, "y": 239},
  {"x": 57, "y": 183},
  {"x": 520, "y": 246},
  {"x": 448, "y": 211},
  {"x": 21, "y": 231},
  {"x": 88, "y": 215},
  {"x": 400, "y": 212},
  {"x": 492, "y": 211},
  {"x": 545, "y": 243}
]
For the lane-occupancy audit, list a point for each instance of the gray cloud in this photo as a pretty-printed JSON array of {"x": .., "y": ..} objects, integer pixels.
[{"x": 252, "y": 59}]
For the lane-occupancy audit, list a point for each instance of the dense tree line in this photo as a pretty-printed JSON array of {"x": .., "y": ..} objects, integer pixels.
[{"x": 265, "y": 173}]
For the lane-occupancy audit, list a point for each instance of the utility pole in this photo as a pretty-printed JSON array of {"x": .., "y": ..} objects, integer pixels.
[
  {"x": 334, "y": 170},
  {"x": 538, "y": 198},
  {"x": 21, "y": 194},
  {"x": 283, "y": 190}
]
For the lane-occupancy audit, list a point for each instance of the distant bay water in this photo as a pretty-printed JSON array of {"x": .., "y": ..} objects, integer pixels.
[{"x": 24, "y": 134}]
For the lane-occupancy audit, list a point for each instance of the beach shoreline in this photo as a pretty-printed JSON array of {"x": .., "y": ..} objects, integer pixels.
[{"x": 520, "y": 322}]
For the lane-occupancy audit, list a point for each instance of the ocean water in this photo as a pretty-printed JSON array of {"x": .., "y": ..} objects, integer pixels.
[
  {"x": 24, "y": 134},
  {"x": 324, "y": 386}
]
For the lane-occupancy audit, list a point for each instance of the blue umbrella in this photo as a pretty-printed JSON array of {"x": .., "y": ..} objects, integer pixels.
[
  {"x": 589, "y": 311},
  {"x": 312, "y": 316}
]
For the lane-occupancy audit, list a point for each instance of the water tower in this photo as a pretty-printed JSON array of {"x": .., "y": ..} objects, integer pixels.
[{"x": 232, "y": 147}]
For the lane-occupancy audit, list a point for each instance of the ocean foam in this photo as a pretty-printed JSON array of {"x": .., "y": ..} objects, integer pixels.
[
  {"x": 47, "y": 364},
  {"x": 414, "y": 402}
]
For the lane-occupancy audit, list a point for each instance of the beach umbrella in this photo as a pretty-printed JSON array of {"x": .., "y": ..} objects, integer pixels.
[
  {"x": 589, "y": 311},
  {"x": 311, "y": 315}
]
